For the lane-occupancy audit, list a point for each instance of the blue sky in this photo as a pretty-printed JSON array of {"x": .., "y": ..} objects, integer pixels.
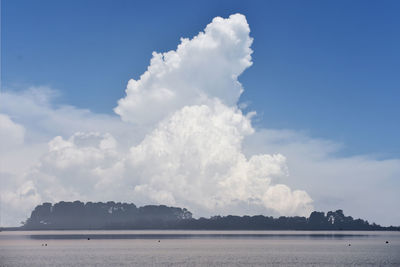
[
  {"x": 324, "y": 83},
  {"x": 329, "y": 68}
]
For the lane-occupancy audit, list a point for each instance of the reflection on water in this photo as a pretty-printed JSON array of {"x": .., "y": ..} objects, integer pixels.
[
  {"x": 176, "y": 234},
  {"x": 198, "y": 248}
]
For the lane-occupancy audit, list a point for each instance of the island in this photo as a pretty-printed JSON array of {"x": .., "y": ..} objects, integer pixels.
[{"x": 111, "y": 215}]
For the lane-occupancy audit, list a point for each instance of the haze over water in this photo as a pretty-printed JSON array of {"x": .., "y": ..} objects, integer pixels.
[{"x": 199, "y": 248}]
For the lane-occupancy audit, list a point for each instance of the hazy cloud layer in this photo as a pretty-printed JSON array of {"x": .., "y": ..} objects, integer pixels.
[
  {"x": 11, "y": 133},
  {"x": 35, "y": 109},
  {"x": 362, "y": 185},
  {"x": 182, "y": 141}
]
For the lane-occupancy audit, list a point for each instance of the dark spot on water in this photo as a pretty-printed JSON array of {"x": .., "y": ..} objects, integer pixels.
[
  {"x": 349, "y": 245},
  {"x": 158, "y": 241},
  {"x": 387, "y": 242},
  {"x": 88, "y": 238}
]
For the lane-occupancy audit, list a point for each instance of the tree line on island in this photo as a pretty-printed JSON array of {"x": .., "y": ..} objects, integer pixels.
[{"x": 111, "y": 215}]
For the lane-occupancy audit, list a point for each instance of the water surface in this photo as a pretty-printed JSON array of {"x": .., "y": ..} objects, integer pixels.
[{"x": 199, "y": 248}]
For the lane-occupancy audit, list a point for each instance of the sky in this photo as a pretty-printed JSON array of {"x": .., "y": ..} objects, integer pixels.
[{"x": 314, "y": 118}]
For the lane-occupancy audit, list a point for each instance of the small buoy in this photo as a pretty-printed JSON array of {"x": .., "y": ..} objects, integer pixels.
[
  {"x": 158, "y": 241},
  {"x": 387, "y": 242},
  {"x": 45, "y": 245},
  {"x": 88, "y": 238},
  {"x": 349, "y": 245}
]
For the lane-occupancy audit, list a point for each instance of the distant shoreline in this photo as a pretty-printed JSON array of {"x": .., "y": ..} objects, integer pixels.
[
  {"x": 16, "y": 229},
  {"x": 127, "y": 216}
]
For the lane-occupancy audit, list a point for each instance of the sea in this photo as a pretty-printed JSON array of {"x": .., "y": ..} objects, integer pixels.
[{"x": 199, "y": 248}]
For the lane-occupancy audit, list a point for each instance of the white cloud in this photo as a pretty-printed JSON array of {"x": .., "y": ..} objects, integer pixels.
[
  {"x": 79, "y": 164},
  {"x": 184, "y": 142},
  {"x": 11, "y": 133},
  {"x": 200, "y": 69},
  {"x": 18, "y": 197},
  {"x": 191, "y": 159},
  {"x": 15, "y": 192},
  {"x": 194, "y": 158},
  {"x": 34, "y": 108},
  {"x": 362, "y": 185},
  {"x": 25, "y": 145}
]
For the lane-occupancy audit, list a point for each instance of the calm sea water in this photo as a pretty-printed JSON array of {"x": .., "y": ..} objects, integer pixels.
[{"x": 199, "y": 248}]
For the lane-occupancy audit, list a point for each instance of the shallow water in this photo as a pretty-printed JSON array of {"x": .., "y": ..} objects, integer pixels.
[{"x": 199, "y": 248}]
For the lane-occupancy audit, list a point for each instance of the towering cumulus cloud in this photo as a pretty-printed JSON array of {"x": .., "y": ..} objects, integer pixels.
[
  {"x": 179, "y": 141},
  {"x": 193, "y": 156},
  {"x": 204, "y": 67}
]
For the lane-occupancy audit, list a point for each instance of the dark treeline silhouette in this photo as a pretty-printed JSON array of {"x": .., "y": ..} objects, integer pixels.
[{"x": 111, "y": 215}]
